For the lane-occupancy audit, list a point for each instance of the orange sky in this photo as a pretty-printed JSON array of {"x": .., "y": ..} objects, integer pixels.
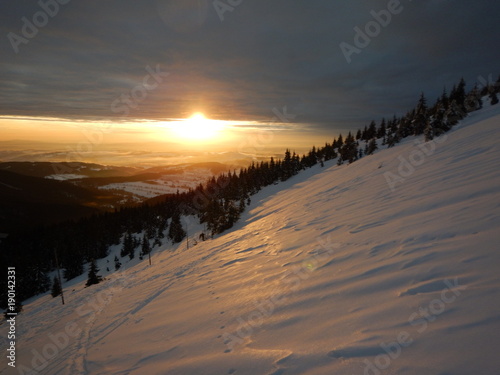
[{"x": 198, "y": 134}]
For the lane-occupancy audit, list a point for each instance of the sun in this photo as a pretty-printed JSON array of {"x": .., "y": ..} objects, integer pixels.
[{"x": 198, "y": 127}]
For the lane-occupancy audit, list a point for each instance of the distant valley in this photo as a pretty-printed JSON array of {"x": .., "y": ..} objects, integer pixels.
[{"x": 41, "y": 193}]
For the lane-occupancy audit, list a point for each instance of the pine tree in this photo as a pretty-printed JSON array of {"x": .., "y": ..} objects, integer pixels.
[
  {"x": 454, "y": 114},
  {"x": 131, "y": 253},
  {"x": 349, "y": 150},
  {"x": 372, "y": 147},
  {"x": 117, "y": 263},
  {"x": 233, "y": 214},
  {"x": 372, "y": 131},
  {"x": 493, "y": 98},
  {"x": 93, "y": 277},
  {"x": 161, "y": 228},
  {"x": 176, "y": 233},
  {"x": 40, "y": 280},
  {"x": 358, "y": 135},
  {"x": 145, "y": 246},
  {"x": 56, "y": 287},
  {"x": 429, "y": 132},
  {"x": 420, "y": 119},
  {"x": 382, "y": 130},
  {"x": 241, "y": 206},
  {"x": 390, "y": 141},
  {"x": 128, "y": 245},
  {"x": 473, "y": 101},
  {"x": 458, "y": 95}
]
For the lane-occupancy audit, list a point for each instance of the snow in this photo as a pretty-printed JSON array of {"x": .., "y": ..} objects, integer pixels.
[
  {"x": 166, "y": 184},
  {"x": 330, "y": 272},
  {"x": 65, "y": 176}
]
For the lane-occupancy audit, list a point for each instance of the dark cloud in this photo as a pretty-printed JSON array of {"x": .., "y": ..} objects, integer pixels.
[{"x": 263, "y": 55}]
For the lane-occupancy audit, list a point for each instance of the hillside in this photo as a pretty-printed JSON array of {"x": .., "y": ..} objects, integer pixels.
[
  {"x": 385, "y": 266},
  {"x": 43, "y": 193},
  {"x": 27, "y": 201},
  {"x": 74, "y": 169}
]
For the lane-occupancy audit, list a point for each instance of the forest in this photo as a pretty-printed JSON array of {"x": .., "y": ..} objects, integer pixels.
[{"x": 217, "y": 203}]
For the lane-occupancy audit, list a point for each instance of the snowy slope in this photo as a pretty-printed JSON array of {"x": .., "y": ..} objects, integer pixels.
[{"x": 331, "y": 272}]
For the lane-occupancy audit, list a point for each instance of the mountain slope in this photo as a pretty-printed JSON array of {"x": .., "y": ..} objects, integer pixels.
[
  {"x": 47, "y": 169},
  {"x": 27, "y": 201},
  {"x": 376, "y": 267}
]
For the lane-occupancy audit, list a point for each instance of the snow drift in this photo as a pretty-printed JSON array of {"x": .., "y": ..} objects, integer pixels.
[{"x": 385, "y": 266}]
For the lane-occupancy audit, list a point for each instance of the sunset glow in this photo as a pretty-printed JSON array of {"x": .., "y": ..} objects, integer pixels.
[{"x": 198, "y": 128}]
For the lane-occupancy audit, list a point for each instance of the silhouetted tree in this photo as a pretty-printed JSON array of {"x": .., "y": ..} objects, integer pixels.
[
  {"x": 56, "y": 287},
  {"x": 93, "y": 277}
]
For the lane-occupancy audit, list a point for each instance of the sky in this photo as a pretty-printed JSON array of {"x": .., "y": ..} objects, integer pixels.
[{"x": 126, "y": 70}]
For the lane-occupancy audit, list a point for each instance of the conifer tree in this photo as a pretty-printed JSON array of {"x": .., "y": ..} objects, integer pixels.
[
  {"x": 429, "y": 132},
  {"x": 382, "y": 130},
  {"x": 358, "y": 135},
  {"x": 233, "y": 214},
  {"x": 458, "y": 95},
  {"x": 39, "y": 278},
  {"x": 128, "y": 245},
  {"x": 420, "y": 119},
  {"x": 372, "y": 131},
  {"x": 349, "y": 150},
  {"x": 117, "y": 263},
  {"x": 390, "y": 141},
  {"x": 56, "y": 287},
  {"x": 242, "y": 205},
  {"x": 131, "y": 254},
  {"x": 176, "y": 233},
  {"x": 372, "y": 147},
  {"x": 473, "y": 101},
  {"x": 145, "y": 246},
  {"x": 454, "y": 114},
  {"x": 93, "y": 277},
  {"x": 493, "y": 98}
]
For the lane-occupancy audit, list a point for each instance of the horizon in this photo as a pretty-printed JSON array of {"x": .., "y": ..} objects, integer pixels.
[{"x": 83, "y": 86}]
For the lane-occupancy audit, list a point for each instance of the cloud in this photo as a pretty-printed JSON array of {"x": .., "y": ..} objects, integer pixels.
[{"x": 263, "y": 55}]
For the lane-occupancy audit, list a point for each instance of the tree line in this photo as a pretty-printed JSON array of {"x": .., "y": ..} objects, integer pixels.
[{"x": 217, "y": 203}]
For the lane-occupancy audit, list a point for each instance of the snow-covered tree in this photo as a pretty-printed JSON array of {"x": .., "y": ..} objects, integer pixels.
[
  {"x": 117, "y": 263},
  {"x": 493, "y": 98},
  {"x": 371, "y": 147}
]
